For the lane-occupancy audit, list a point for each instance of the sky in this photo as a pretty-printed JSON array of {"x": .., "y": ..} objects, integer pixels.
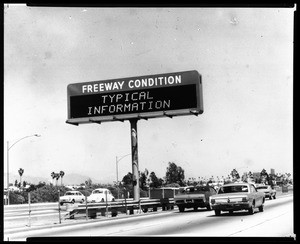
[{"x": 244, "y": 56}]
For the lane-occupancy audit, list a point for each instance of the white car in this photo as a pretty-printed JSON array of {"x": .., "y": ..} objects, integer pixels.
[
  {"x": 237, "y": 196},
  {"x": 269, "y": 191},
  {"x": 99, "y": 195},
  {"x": 72, "y": 197}
]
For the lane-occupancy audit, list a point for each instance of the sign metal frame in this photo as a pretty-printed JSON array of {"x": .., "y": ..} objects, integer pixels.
[{"x": 84, "y": 90}]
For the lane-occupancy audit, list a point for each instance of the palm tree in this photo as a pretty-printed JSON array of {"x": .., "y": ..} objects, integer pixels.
[
  {"x": 53, "y": 176},
  {"x": 61, "y": 173},
  {"x": 21, "y": 171},
  {"x": 57, "y": 175}
]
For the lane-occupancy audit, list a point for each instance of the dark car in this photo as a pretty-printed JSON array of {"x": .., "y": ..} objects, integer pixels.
[{"x": 194, "y": 197}]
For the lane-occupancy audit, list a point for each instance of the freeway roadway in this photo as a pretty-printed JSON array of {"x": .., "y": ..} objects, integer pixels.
[{"x": 276, "y": 221}]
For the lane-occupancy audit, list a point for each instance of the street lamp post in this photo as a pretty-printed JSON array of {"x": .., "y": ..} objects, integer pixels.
[
  {"x": 117, "y": 161},
  {"x": 8, "y": 148}
]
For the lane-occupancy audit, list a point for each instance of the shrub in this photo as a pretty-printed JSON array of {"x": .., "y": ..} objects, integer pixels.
[
  {"x": 143, "y": 193},
  {"x": 16, "y": 198},
  {"x": 47, "y": 193}
]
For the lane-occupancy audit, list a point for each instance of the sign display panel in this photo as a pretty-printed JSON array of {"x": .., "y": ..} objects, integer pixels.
[{"x": 170, "y": 94}]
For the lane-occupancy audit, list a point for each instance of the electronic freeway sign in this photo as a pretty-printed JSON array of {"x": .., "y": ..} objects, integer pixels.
[{"x": 150, "y": 96}]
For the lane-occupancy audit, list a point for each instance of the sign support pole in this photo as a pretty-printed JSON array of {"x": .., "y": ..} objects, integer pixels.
[
  {"x": 59, "y": 207},
  {"x": 29, "y": 220},
  {"x": 134, "y": 154},
  {"x": 86, "y": 207}
]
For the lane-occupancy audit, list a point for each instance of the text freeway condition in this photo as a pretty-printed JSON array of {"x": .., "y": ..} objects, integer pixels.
[
  {"x": 135, "y": 97},
  {"x": 137, "y": 83}
]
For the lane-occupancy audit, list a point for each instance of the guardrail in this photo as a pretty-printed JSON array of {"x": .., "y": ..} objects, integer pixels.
[
  {"x": 46, "y": 205},
  {"x": 87, "y": 210},
  {"x": 124, "y": 206}
]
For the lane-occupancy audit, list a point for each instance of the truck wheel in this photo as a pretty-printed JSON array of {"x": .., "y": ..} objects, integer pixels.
[
  {"x": 261, "y": 208},
  {"x": 274, "y": 197},
  {"x": 250, "y": 210},
  {"x": 217, "y": 212},
  {"x": 181, "y": 209},
  {"x": 270, "y": 197}
]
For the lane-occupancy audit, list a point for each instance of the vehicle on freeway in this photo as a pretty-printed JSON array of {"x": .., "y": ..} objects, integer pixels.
[
  {"x": 269, "y": 191},
  {"x": 193, "y": 197},
  {"x": 100, "y": 195},
  {"x": 72, "y": 197},
  {"x": 237, "y": 196},
  {"x": 5, "y": 196}
]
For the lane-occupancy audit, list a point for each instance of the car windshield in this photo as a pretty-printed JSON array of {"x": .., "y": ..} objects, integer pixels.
[
  {"x": 97, "y": 191},
  {"x": 232, "y": 189},
  {"x": 262, "y": 187},
  {"x": 198, "y": 189},
  {"x": 203, "y": 188},
  {"x": 70, "y": 193}
]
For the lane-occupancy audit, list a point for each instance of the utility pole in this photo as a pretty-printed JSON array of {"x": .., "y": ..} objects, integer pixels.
[
  {"x": 117, "y": 177},
  {"x": 7, "y": 173},
  {"x": 117, "y": 169},
  {"x": 8, "y": 148},
  {"x": 135, "y": 164}
]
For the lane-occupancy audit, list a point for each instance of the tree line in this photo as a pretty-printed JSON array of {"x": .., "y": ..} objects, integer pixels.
[{"x": 174, "y": 177}]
